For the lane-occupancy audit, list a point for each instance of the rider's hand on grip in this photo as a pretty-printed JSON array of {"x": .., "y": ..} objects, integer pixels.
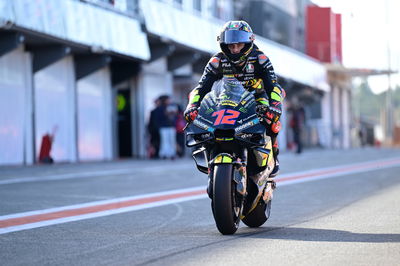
[
  {"x": 273, "y": 114},
  {"x": 269, "y": 114},
  {"x": 276, "y": 127},
  {"x": 190, "y": 113},
  {"x": 260, "y": 110}
]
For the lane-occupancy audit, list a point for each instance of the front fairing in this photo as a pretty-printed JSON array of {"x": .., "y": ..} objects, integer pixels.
[{"x": 226, "y": 112}]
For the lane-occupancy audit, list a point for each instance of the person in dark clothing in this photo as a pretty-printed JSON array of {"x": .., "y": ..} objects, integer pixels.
[
  {"x": 154, "y": 129},
  {"x": 180, "y": 133},
  {"x": 241, "y": 58},
  {"x": 167, "y": 128},
  {"x": 296, "y": 124}
]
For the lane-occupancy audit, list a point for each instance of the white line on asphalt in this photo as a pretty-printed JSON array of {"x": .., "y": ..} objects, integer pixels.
[
  {"x": 40, "y": 218},
  {"x": 98, "y": 214},
  {"x": 343, "y": 170},
  {"x": 100, "y": 202},
  {"x": 65, "y": 176},
  {"x": 79, "y": 175}
]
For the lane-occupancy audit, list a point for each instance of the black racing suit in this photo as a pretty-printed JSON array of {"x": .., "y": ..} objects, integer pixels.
[{"x": 257, "y": 66}]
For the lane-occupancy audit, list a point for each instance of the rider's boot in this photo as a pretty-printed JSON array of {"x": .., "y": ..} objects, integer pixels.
[
  {"x": 275, "y": 171},
  {"x": 269, "y": 189},
  {"x": 275, "y": 151}
]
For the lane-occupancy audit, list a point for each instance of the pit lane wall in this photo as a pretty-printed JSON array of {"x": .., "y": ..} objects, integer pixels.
[
  {"x": 81, "y": 111},
  {"x": 76, "y": 111}
]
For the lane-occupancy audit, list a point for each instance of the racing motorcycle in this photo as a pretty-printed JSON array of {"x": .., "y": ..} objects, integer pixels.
[{"x": 231, "y": 146}]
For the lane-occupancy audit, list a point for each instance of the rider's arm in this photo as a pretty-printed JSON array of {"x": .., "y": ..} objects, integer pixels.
[
  {"x": 210, "y": 75},
  {"x": 274, "y": 92}
]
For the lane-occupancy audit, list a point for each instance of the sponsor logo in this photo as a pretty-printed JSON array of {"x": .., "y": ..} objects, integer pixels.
[
  {"x": 248, "y": 104},
  {"x": 233, "y": 81},
  {"x": 247, "y": 125},
  {"x": 209, "y": 111},
  {"x": 230, "y": 103},
  {"x": 243, "y": 110},
  {"x": 214, "y": 62},
  {"x": 204, "y": 119},
  {"x": 247, "y": 118},
  {"x": 250, "y": 82},
  {"x": 224, "y": 96},
  {"x": 246, "y": 136},
  {"x": 250, "y": 68},
  {"x": 262, "y": 59},
  {"x": 202, "y": 125}
]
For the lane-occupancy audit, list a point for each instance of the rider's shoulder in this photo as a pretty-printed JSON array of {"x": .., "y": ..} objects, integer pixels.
[
  {"x": 262, "y": 57},
  {"x": 215, "y": 60}
]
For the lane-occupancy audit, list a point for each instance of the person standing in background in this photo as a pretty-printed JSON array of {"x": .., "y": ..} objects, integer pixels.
[
  {"x": 296, "y": 123},
  {"x": 180, "y": 124},
  {"x": 167, "y": 128},
  {"x": 154, "y": 129}
]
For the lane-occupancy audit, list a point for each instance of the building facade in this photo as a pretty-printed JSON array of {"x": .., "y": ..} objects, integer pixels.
[{"x": 87, "y": 72}]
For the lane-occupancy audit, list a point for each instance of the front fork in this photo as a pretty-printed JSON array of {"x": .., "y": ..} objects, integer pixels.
[{"x": 239, "y": 174}]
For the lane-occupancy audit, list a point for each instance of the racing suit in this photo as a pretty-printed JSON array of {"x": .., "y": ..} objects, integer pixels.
[{"x": 257, "y": 67}]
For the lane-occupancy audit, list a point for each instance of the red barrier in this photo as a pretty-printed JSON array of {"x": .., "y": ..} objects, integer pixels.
[{"x": 45, "y": 149}]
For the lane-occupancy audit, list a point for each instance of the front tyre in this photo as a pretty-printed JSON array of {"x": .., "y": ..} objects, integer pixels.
[{"x": 225, "y": 209}]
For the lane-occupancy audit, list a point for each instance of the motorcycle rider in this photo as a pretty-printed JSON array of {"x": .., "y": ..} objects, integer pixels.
[{"x": 241, "y": 58}]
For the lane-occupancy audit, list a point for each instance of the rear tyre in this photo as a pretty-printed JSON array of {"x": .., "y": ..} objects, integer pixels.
[
  {"x": 226, "y": 213},
  {"x": 259, "y": 215}
]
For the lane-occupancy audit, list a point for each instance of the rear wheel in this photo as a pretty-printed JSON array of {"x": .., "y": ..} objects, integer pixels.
[{"x": 225, "y": 208}]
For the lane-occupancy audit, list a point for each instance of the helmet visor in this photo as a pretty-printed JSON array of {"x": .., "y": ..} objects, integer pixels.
[{"x": 235, "y": 36}]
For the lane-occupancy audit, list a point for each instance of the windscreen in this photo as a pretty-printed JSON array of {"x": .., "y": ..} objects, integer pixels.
[
  {"x": 227, "y": 106},
  {"x": 229, "y": 90}
]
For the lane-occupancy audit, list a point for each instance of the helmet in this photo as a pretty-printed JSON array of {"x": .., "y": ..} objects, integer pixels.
[{"x": 233, "y": 32}]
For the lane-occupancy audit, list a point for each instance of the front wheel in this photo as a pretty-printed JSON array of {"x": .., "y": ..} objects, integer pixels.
[{"x": 225, "y": 208}]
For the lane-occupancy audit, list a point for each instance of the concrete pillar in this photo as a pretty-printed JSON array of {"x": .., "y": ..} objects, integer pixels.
[{"x": 153, "y": 81}]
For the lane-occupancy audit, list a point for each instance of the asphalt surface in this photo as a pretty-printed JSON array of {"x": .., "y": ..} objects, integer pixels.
[{"x": 350, "y": 219}]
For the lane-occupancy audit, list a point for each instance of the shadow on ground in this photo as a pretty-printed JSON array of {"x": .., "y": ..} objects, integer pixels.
[{"x": 323, "y": 235}]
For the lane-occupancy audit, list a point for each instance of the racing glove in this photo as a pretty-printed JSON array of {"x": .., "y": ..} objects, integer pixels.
[
  {"x": 270, "y": 115},
  {"x": 190, "y": 113},
  {"x": 273, "y": 114}
]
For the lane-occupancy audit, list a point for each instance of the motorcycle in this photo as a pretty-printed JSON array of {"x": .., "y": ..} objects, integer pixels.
[{"x": 231, "y": 146}]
